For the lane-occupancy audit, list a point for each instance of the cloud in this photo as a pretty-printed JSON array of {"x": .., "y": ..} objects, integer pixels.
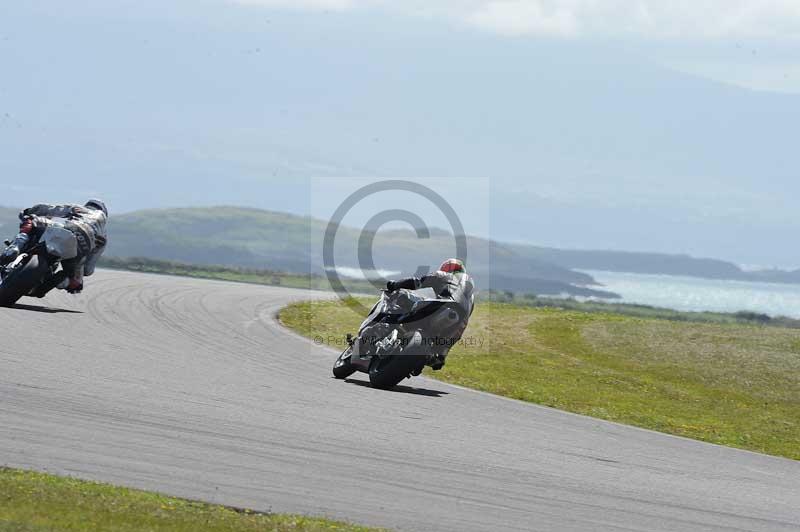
[
  {"x": 336, "y": 5},
  {"x": 644, "y": 18},
  {"x": 520, "y": 17},
  {"x": 660, "y": 19}
]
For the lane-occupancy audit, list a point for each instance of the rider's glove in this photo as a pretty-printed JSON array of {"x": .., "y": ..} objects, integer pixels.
[
  {"x": 27, "y": 225},
  {"x": 391, "y": 286}
]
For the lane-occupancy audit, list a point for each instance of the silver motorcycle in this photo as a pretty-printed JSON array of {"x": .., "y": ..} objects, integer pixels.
[
  {"x": 33, "y": 272},
  {"x": 402, "y": 334}
]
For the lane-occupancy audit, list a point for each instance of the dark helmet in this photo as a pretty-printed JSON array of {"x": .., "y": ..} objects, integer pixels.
[
  {"x": 453, "y": 266},
  {"x": 97, "y": 205}
]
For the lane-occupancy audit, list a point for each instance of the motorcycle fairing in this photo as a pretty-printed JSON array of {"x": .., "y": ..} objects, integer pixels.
[{"x": 60, "y": 242}]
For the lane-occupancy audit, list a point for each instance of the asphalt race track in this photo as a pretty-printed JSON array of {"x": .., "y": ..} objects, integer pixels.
[{"x": 191, "y": 388}]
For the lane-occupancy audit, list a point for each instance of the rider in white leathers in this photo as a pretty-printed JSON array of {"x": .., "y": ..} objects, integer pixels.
[{"x": 450, "y": 281}]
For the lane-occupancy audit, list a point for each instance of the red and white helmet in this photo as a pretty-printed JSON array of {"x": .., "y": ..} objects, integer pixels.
[{"x": 453, "y": 266}]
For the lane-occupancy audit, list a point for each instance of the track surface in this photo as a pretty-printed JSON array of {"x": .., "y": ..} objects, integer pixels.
[{"x": 191, "y": 388}]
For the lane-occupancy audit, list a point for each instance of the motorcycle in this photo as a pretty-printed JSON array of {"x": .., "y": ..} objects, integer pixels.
[
  {"x": 33, "y": 272},
  {"x": 402, "y": 334}
]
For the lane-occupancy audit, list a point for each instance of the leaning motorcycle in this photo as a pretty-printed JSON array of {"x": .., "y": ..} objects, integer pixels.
[
  {"x": 36, "y": 264},
  {"x": 402, "y": 334}
]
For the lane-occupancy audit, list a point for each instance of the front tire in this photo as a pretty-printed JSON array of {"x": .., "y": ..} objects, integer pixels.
[
  {"x": 343, "y": 367},
  {"x": 22, "y": 280}
]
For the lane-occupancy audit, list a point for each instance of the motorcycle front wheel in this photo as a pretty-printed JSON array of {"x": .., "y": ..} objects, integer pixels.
[
  {"x": 22, "y": 280},
  {"x": 343, "y": 366}
]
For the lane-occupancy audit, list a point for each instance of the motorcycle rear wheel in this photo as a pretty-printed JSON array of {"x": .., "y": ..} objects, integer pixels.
[{"x": 389, "y": 371}]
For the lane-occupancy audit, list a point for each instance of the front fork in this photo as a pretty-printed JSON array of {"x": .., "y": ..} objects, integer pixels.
[{"x": 13, "y": 265}]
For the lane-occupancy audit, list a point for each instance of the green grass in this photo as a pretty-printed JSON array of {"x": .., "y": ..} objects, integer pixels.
[
  {"x": 34, "y": 502},
  {"x": 728, "y": 383}
]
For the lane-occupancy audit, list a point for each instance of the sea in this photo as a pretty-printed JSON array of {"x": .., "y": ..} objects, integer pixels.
[
  {"x": 678, "y": 293},
  {"x": 694, "y": 294}
]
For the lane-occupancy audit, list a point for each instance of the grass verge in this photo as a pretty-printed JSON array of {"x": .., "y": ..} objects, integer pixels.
[
  {"x": 33, "y": 502},
  {"x": 726, "y": 383}
]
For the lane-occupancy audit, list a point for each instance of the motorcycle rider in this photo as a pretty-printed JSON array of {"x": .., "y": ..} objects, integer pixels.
[
  {"x": 450, "y": 281},
  {"x": 87, "y": 222}
]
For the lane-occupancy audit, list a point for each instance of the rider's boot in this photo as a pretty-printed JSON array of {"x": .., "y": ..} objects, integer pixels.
[
  {"x": 57, "y": 280},
  {"x": 437, "y": 361}
]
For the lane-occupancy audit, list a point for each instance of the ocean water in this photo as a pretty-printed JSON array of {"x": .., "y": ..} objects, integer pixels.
[
  {"x": 357, "y": 273},
  {"x": 692, "y": 294}
]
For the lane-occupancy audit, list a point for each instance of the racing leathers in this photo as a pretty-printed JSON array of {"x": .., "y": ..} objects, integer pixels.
[{"x": 458, "y": 287}]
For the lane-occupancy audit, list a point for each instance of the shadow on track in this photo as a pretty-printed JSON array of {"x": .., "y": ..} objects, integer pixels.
[
  {"x": 48, "y": 310},
  {"x": 402, "y": 389}
]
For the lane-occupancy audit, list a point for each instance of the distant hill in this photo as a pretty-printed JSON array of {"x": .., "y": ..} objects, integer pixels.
[
  {"x": 653, "y": 263},
  {"x": 258, "y": 238},
  {"x": 254, "y": 238},
  {"x": 230, "y": 236},
  {"x": 621, "y": 261},
  {"x": 775, "y": 276}
]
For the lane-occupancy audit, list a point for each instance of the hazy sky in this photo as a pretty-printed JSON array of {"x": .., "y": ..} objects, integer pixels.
[{"x": 639, "y": 125}]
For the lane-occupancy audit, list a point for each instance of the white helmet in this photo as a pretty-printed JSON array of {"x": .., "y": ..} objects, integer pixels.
[{"x": 97, "y": 205}]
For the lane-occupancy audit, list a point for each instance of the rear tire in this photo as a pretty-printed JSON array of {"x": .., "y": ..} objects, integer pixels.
[
  {"x": 343, "y": 367},
  {"x": 21, "y": 281},
  {"x": 388, "y": 372}
]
